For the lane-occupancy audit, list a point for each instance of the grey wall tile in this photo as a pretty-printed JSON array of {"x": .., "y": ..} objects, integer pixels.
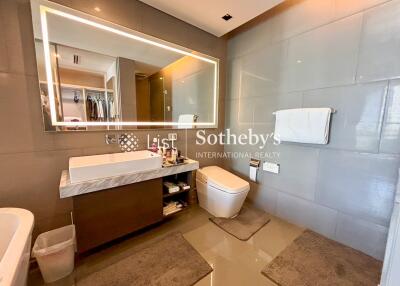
[
  {"x": 239, "y": 115},
  {"x": 390, "y": 136},
  {"x": 239, "y": 165},
  {"x": 362, "y": 235},
  {"x": 245, "y": 110},
  {"x": 259, "y": 109},
  {"x": 380, "y": 43},
  {"x": 300, "y": 16},
  {"x": 265, "y": 68},
  {"x": 263, "y": 197},
  {"x": 264, "y": 128},
  {"x": 358, "y": 184},
  {"x": 357, "y": 123},
  {"x": 393, "y": 103},
  {"x": 345, "y": 8},
  {"x": 324, "y": 57},
  {"x": 265, "y": 106},
  {"x": 316, "y": 217},
  {"x": 298, "y": 171},
  {"x": 233, "y": 77},
  {"x": 253, "y": 39},
  {"x": 258, "y": 72}
]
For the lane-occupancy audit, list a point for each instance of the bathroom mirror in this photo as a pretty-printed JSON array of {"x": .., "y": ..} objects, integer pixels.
[{"x": 95, "y": 75}]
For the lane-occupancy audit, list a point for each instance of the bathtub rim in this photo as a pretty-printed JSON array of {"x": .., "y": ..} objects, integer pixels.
[{"x": 10, "y": 261}]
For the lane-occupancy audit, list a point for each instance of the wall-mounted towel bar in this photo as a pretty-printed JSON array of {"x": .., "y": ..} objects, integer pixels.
[
  {"x": 303, "y": 125},
  {"x": 332, "y": 111}
]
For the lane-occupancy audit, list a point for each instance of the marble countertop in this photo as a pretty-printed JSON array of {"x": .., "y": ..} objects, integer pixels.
[{"x": 68, "y": 189}]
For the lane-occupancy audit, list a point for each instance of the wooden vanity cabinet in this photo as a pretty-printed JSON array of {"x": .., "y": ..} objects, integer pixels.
[{"x": 103, "y": 216}]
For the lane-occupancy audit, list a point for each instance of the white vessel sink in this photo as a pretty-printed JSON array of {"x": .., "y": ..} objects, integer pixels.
[{"x": 109, "y": 165}]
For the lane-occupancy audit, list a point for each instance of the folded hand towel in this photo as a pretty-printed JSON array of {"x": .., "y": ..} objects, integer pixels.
[
  {"x": 185, "y": 120},
  {"x": 303, "y": 125}
]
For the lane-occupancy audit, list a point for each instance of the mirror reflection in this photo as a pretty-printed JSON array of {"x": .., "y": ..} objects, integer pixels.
[{"x": 105, "y": 77}]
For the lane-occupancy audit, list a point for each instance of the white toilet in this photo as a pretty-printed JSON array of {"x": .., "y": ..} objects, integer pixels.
[{"x": 220, "y": 192}]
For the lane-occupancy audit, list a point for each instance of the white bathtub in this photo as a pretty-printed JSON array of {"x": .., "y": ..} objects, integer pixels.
[{"x": 15, "y": 244}]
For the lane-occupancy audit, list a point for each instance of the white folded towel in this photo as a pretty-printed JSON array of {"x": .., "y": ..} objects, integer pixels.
[
  {"x": 184, "y": 120},
  {"x": 303, "y": 125}
]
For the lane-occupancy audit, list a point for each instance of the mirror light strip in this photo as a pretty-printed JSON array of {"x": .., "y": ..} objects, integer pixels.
[
  {"x": 47, "y": 55},
  {"x": 47, "y": 58}
]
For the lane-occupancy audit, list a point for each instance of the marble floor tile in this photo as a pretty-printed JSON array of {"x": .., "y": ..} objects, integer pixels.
[{"x": 234, "y": 262}]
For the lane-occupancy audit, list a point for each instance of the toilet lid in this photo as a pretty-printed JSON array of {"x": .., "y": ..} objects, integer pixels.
[{"x": 224, "y": 180}]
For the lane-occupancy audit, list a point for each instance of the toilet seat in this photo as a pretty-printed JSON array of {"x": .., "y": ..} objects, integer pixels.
[
  {"x": 222, "y": 180},
  {"x": 215, "y": 187}
]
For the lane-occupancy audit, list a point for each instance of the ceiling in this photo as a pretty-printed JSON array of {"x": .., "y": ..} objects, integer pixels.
[
  {"x": 88, "y": 61},
  {"x": 207, "y": 14}
]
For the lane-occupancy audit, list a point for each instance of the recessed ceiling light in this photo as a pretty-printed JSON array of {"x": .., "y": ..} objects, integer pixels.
[
  {"x": 97, "y": 9},
  {"x": 227, "y": 17}
]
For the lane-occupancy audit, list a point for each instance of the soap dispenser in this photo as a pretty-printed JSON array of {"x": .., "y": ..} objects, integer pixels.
[
  {"x": 154, "y": 146},
  {"x": 173, "y": 155}
]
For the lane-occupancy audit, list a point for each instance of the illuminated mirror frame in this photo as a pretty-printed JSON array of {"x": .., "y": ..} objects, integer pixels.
[{"x": 44, "y": 9}]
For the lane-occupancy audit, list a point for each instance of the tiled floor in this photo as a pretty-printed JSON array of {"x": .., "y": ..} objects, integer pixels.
[{"x": 234, "y": 262}]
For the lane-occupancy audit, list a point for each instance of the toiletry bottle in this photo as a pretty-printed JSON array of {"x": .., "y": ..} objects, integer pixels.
[
  {"x": 173, "y": 155},
  {"x": 164, "y": 152},
  {"x": 168, "y": 154},
  {"x": 154, "y": 146}
]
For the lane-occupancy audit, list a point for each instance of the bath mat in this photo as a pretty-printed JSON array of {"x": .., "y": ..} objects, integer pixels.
[
  {"x": 245, "y": 224},
  {"x": 315, "y": 260},
  {"x": 171, "y": 261}
]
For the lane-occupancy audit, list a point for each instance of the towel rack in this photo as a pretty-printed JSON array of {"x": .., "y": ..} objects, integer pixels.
[{"x": 332, "y": 111}]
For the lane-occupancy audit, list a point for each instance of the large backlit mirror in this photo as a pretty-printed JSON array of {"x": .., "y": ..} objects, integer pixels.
[{"x": 95, "y": 75}]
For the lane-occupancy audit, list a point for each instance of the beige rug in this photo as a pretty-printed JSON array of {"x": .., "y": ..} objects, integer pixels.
[
  {"x": 172, "y": 261},
  {"x": 315, "y": 260},
  {"x": 246, "y": 224}
]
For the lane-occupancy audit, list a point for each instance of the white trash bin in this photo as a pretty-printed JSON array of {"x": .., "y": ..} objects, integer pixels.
[{"x": 55, "y": 252}]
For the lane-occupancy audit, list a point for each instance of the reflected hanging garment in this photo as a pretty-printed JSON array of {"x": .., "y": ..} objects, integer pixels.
[
  {"x": 112, "y": 109},
  {"x": 105, "y": 109},
  {"x": 94, "y": 113},
  {"x": 88, "y": 108},
  {"x": 100, "y": 110}
]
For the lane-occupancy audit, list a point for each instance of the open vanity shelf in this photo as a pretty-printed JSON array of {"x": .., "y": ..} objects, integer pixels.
[{"x": 180, "y": 197}]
